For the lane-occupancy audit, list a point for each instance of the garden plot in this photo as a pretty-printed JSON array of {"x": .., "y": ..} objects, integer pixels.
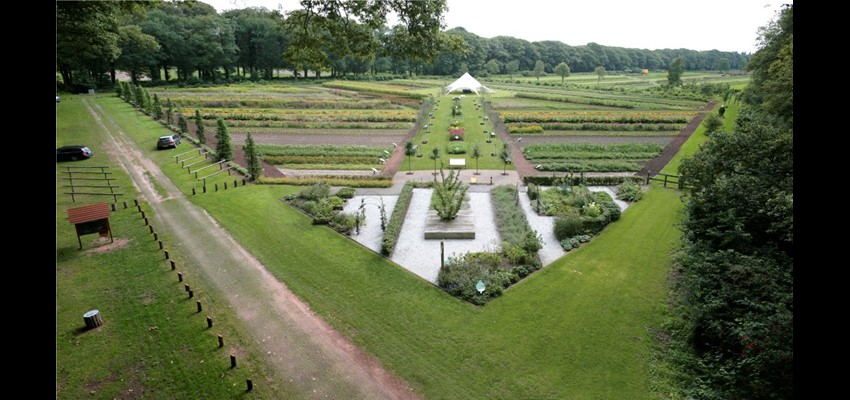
[{"x": 422, "y": 257}]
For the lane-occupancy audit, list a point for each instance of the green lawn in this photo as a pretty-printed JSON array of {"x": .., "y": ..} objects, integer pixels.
[
  {"x": 474, "y": 132},
  {"x": 699, "y": 137},
  {"x": 153, "y": 343},
  {"x": 579, "y": 328}
]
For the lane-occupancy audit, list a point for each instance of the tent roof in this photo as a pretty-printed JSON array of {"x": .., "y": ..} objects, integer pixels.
[{"x": 469, "y": 83}]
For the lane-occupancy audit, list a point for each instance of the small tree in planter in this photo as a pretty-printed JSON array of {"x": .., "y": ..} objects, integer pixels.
[
  {"x": 223, "y": 148},
  {"x": 506, "y": 157},
  {"x": 450, "y": 193},
  {"x": 409, "y": 151},
  {"x": 435, "y": 155},
  {"x": 251, "y": 158},
  {"x": 199, "y": 123},
  {"x": 476, "y": 154}
]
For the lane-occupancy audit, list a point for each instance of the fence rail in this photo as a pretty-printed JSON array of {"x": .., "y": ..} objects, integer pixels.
[{"x": 673, "y": 180}]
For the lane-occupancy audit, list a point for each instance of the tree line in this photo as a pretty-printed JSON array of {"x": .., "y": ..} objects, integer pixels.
[
  {"x": 734, "y": 279},
  {"x": 152, "y": 39}
]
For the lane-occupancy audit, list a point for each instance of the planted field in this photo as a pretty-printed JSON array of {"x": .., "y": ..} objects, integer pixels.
[
  {"x": 568, "y": 157},
  {"x": 328, "y": 157}
]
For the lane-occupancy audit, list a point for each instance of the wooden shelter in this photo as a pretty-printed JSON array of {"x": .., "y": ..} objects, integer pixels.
[{"x": 91, "y": 219}]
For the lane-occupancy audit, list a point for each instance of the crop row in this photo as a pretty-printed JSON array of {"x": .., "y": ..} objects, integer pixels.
[
  {"x": 293, "y": 103},
  {"x": 367, "y": 161},
  {"x": 523, "y": 128},
  {"x": 375, "y": 88},
  {"x": 628, "y": 104},
  {"x": 601, "y": 117},
  {"x": 264, "y": 114},
  {"x": 324, "y": 150},
  {"x": 283, "y": 130}
]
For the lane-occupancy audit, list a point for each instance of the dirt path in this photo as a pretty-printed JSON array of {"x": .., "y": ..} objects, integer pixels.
[
  {"x": 658, "y": 163},
  {"x": 307, "y": 356}
]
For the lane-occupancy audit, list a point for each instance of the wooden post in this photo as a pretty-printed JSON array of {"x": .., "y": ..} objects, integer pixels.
[
  {"x": 179, "y": 277},
  {"x": 155, "y": 237},
  {"x": 216, "y": 186},
  {"x": 173, "y": 266},
  {"x": 243, "y": 182},
  {"x": 186, "y": 287},
  {"x": 150, "y": 227},
  {"x": 125, "y": 205},
  {"x": 191, "y": 294},
  {"x": 205, "y": 188},
  {"x": 209, "y": 322},
  {"x": 648, "y": 173},
  {"x": 113, "y": 207},
  {"x": 232, "y": 361},
  {"x": 250, "y": 384},
  {"x": 200, "y": 308},
  {"x": 146, "y": 222},
  {"x": 225, "y": 185},
  {"x": 442, "y": 254},
  {"x": 93, "y": 319},
  {"x": 665, "y": 180},
  {"x": 143, "y": 215},
  {"x": 166, "y": 254},
  {"x": 193, "y": 191},
  {"x": 160, "y": 244},
  {"x": 136, "y": 203},
  {"x": 220, "y": 338}
]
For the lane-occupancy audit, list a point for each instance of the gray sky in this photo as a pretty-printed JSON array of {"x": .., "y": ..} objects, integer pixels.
[{"x": 725, "y": 25}]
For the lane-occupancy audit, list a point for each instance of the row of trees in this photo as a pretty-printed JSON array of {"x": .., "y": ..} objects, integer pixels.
[
  {"x": 96, "y": 39},
  {"x": 735, "y": 272}
]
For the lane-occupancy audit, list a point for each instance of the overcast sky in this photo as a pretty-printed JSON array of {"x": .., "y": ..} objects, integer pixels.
[{"x": 725, "y": 25}]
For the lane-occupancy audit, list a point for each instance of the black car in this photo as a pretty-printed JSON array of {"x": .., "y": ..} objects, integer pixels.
[
  {"x": 73, "y": 153},
  {"x": 165, "y": 142}
]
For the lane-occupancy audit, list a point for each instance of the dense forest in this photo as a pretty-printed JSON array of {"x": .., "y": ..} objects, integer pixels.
[{"x": 156, "y": 39}]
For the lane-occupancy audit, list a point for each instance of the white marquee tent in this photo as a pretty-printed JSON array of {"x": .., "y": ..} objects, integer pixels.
[{"x": 467, "y": 82}]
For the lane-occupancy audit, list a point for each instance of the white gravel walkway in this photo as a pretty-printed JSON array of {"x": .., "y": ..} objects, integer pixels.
[{"x": 371, "y": 234}]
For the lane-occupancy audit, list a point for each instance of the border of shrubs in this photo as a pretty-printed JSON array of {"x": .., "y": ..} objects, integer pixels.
[
  {"x": 393, "y": 229},
  {"x": 358, "y": 182},
  {"x": 581, "y": 179}
]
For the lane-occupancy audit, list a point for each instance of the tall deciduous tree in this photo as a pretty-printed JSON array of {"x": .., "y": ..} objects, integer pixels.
[
  {"x": 563, "y": 70},
  {"x": 674, "y": 73},
  {"x": 538, "y": 69},
  {"x": 223, "y": 147},
  {"x": 512, "y": 67},
  {"x": 600, "y": 73},
  {"x": 199, "y": 127},
  {"x": 493, "y": 66},
  {"x": 251, "y": 158},
  {"x": 138, "y": 51}
]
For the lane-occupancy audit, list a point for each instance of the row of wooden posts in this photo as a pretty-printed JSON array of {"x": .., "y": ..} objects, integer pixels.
[
  {"x": 180, "y": 278},
  {"x": 677, "y": 180}
]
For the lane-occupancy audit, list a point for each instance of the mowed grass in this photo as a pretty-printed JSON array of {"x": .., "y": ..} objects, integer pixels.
[
  {"x": 581, "y": 328},
  {"x": 144, "y": 131},
  {"x": 154, "y": 343},
  {"x": 474, "y": 132},
  {"x": 693, "y": 144}
]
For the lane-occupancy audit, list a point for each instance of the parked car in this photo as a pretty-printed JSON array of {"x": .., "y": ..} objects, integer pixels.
[
  {"x": 73, "y": 153},
  {"x": 168, "y": 141},
  {"x": 57, "y": 99}
]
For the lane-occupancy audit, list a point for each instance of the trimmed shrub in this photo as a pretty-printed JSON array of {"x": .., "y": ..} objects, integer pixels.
[
  {"x": 629, "y": 191},
  {"x": 396, "y": 221},
  {"x": 567, "y": 225},
  {"x": 345, "y": 193}
]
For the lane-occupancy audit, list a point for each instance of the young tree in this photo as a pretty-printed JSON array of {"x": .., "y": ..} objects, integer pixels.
[
  {"x": 182, "y": 124},
  {"x": 199, "y": 125},
  {"x": 505, "y": 155},
  {"x": 600, "y": 72},
  {"x": 119, "y": 89},
  {"x": 138, "y": 96},
  {"x": 538, "y": 69},
  {"x": 563, "y": 70},
  {"x": 157, "y": 108},
  {"x": 170, "y": 110},
  {"x": 674, "y": 73},
  {"x": 223, "y": 147},
  {"x": 409, "y": 151},
  {"x": 512, "y": 67},
  {"x": 476, "y": 154},
  {"x": 251, "y": 158},
  {"x": 435, "y": 155}
]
